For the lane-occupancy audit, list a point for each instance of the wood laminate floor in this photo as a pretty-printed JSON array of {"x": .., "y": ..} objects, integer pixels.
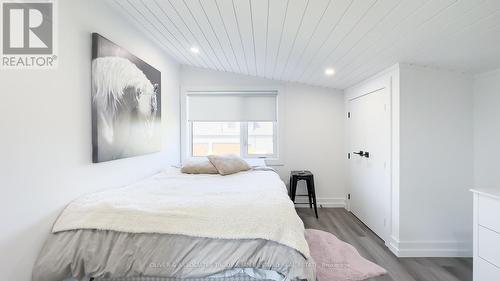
[{"x": 348, "y": 228}]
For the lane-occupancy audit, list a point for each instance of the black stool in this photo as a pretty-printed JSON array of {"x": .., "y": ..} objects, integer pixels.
[{"x": 307, "y": 176}]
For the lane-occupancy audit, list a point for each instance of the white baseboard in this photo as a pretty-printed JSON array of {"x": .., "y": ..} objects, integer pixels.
[
  {"x": 406, "y": 249},
  {"x": 323, "y": 202}
]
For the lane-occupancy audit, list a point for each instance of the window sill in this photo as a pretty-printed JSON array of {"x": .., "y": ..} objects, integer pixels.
[{"x": 274, "y": 162}]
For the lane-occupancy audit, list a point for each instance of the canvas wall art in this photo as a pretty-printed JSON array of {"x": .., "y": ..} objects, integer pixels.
[{"x": 126, "y": 103}]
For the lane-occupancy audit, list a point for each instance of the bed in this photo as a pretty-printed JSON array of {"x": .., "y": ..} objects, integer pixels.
[{"x": 174, "y": 226}]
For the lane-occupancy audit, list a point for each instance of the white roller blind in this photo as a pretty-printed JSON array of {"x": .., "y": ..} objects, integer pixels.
[{"x": 231, "y": 106}]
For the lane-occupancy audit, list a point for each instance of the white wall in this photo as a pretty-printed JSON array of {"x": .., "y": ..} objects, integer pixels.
[
  {"x": 45, "y": 142},
  {"x": 487, "y": 130},
  {"x": 436, "y": 156},
  {"x": 432, "y": 155},
  {"x": 313, "y": 133}
]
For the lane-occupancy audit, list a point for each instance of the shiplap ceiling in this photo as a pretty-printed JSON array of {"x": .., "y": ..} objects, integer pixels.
[{"x": 296, "y": 40}]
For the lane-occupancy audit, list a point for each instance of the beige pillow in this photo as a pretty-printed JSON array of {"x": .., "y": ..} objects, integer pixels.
[
  {"x": 229, "y": 164},
  {"x": 199, "y": 167}
]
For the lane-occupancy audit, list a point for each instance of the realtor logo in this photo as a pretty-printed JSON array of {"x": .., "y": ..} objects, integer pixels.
[{"x": 28, "y": 34}]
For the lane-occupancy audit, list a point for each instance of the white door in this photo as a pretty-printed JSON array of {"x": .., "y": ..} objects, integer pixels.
[{"x": 369, "y": 132}]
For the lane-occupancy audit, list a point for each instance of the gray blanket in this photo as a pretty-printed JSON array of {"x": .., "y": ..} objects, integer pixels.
[
  {"x": 109, "y": 254},
  {"x": 236, "y": 277}
]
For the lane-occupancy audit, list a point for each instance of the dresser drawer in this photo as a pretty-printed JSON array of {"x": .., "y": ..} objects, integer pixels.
[
  {"x": 489, "y": 212},
  {"x": 484, "y": 271},
  {"x": 489, "y": 245}
]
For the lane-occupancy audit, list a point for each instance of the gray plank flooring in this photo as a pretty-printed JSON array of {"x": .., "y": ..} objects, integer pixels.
[{"x": 348, "y": 228}]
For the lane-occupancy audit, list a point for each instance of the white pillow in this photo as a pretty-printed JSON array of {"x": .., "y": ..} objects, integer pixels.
[
  {"x": 229, "y": 164},
  {"x": 256, "y": 162}
]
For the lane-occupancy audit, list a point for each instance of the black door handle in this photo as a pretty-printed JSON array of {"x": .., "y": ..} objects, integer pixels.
[{"x": 363, "y": 153}]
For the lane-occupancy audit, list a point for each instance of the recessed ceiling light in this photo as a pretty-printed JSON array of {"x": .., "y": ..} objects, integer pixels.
[
  {"x": 329, "y": 71},
  {"x": 195, "y": 50}
]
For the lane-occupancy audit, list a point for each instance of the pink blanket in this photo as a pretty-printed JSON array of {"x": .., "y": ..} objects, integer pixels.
[{"x": 337, "y": 260}]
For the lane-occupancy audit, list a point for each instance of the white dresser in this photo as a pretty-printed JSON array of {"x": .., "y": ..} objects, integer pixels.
[{"x": 486, "y": 234}]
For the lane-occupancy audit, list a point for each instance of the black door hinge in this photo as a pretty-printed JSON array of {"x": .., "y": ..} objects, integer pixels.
[
  {"x": 348, "y": 155},
  {"x": 349, "y": 196},
  {"x": 348, "y": 115}
]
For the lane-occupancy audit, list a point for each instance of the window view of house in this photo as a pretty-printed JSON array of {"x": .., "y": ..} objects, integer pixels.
[
  {"x": 229, "y": 138},
  {"x": 216, "y": 138},
  {"x": 260, "y": 138}
]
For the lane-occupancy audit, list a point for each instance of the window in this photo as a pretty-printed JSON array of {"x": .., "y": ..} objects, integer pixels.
[
  {"x": 260, "y": 138},
  {"x": 230, "y": 138},
  {"x": 216, "y": 138},
  {"x": 232, "y": 123}
]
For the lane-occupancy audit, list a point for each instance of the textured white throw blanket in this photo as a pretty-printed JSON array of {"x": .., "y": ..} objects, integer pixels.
[{"x": 246, "y": 205}]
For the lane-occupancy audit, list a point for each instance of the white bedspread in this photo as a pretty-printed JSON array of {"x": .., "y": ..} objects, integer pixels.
[{"x": 247, "y": 205}]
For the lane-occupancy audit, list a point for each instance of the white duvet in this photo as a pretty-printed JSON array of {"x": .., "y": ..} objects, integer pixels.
[{"x": 246, "y": 205}]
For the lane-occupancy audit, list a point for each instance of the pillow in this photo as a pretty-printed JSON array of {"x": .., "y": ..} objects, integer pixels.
[
  {"x": 256, "y": 162},
  {"x": 228, "y": 164},
  {"x": 199, "y": 167}
]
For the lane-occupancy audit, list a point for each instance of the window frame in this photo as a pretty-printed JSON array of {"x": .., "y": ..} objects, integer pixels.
[
  {"x": 244, "y": 136},
  {"x": 185, "y": 128},
  {"x": 243, "y": 141}
]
